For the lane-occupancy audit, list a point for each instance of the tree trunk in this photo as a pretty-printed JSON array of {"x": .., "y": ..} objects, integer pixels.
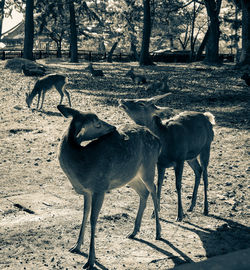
[
  {"x": 202, "y": 46},
  {"x": 73, "y": 34},
  {"x": 144, "y": 56},
  {"x": 29, "y": 30},
  {"x": 133, "y": 49},
  {"x": 192, "y": 34},
  {"x": 2, "y": 3},
  {"x": 59, "y": 49},
  {"x": 110, "y": 54},
  {"x": 212, "y": 45},
  {"x": 245, "y": 53}
]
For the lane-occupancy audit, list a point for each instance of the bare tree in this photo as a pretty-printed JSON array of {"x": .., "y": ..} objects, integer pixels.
[
  {"x": 212, "y": 45},
  {"x": 147, "y": 25},
  {"x": 245, "y": 53},
  {"x": 2, "y": 3},
  {"x": 73, "y": 33},
  {"x": 29, "y": 30}
]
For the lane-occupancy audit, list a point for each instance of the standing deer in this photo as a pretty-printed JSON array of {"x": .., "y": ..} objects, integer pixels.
[
  {"x": 136, "y": 78},
  {"x": 184, "y": 137},
  {"x": 111, "y": 160},
  {"x": 46, "y": 83},
  {"x": 94, "y": 72}
]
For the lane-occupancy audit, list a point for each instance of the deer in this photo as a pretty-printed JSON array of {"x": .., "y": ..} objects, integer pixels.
[
  {"x": 45, "y": 84},
  {"x": 161, "y": 86},
  {"x": 94, "y": 72},
  {"x": 136, "y": 78},
  {"x": 29, "y": 70},
  {"x": 109, "y": 159},
  {"x": 184, "y": 137},
  {"x": 246, "y": 78}
]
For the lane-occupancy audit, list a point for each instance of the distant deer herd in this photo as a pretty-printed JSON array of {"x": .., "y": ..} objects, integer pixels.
[{"x": 113, "y": 158}]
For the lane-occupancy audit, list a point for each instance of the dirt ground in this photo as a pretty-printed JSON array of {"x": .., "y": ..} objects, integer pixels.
[{"x": 40, "y": 237}]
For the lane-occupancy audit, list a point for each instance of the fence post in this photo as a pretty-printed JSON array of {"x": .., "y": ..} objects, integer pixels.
[{"x": 3, "y": 55}]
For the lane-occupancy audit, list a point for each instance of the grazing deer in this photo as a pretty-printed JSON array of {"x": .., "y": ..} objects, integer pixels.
[
  {"x": 184, "y": 137},
  {"x": 161, "y": 86},
  {"x": 46, "y": 83},
  {"x": 95, "y": 72},
  {"x": 136, "y": 78},
  {"x": 111, "y": 160},
  {"x": 29, "y": 70}
]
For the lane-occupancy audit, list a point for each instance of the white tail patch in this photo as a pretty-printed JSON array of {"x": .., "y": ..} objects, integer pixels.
[{"x": 210, "y": 117}]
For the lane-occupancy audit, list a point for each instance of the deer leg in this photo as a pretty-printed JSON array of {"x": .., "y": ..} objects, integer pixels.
[
  {"x": 38, "y": 99},
  {"x": 178, "y": 177},
  {"x": 148, "y": 179},
  {"x": 142, "y": 191},
  {"x": 194, "y": 164},
  {"x": 204, "y": 158},
  {"x": 61, "y": 94},
  {"x": 97, "y": 201},
  {"x": 60, "y": 91},
  {"x": 43, "y": 96},
  {"x": 157, "y": 222},
  {"x": 68, "y": 96},
  {"x": 86, "y": 209},
  {"x": 161, "y": 172}
]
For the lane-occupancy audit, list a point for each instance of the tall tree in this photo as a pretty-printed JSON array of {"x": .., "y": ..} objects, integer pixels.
[
  {"x": 245, "y": 53},
  {"x": 147, "y": 24},
  {"x": 2, "y": 3},
  {"x": 29, "y": 30},
  {"x": 212, "y": 45},
  {"x": 73, "y": 33}
]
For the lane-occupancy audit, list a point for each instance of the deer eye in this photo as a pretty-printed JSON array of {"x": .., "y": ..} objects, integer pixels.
[
  {"x": 97, "y": 124},
  {"x": 141, "y": 104}
]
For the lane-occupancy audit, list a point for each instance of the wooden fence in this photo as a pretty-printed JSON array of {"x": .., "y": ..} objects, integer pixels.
[{"x": 170, "y": 57}]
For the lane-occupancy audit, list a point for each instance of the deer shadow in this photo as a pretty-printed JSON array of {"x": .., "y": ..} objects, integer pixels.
[
  {"x": 176, "y": 259},
  {"x": 49, "y": 113},
  {"x": 230, "y": 236}
]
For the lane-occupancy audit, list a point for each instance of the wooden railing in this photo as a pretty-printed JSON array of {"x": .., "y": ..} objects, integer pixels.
[{"x": 171, "y": 57}]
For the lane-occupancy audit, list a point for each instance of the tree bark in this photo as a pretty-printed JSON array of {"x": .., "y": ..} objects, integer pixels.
[
  {"x": 2, "y": 3},
  {"x": 144, "y": 55},
  {"x": 202, "y": 46},
  {"x": 110, "y": 54},
  {"x": 73, "y": 34},
  {"x": 212, "y": 45},
  {"x": 29, "y": 30},
  {"x": 245, "y": 53}
]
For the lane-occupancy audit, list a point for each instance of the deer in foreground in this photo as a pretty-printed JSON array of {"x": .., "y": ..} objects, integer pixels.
[
  {"x": 94, "y": 72},
  {"x": 136, "y": 78},
  {"x": 184, "y": 137},
  {"x": 46, "y": 83},
  {"x": 111, "y": 160}
]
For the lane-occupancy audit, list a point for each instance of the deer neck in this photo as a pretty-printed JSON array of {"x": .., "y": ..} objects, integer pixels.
[
  {"x": 157, "y": 128},
  {"x": 132, "y": 75},
  {"x": 33, "y": 93}
]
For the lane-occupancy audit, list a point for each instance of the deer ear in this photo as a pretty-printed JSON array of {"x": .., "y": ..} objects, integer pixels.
[
  {"x": 67, "y": 112},
  {"x": 157, "y": 119},
  {"x": 157, "y": 98}
]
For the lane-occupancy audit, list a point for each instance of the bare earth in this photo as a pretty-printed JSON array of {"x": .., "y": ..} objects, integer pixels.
[{"x": 31, "y": 177}]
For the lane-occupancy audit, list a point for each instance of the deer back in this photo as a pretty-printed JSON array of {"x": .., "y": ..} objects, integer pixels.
[{"x": 109, "y": 161}]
